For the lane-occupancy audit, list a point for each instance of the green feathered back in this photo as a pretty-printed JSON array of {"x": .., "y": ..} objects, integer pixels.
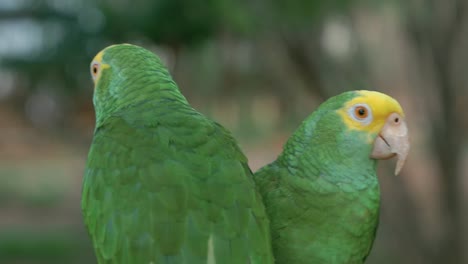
[{"x": 164, "y": 184}]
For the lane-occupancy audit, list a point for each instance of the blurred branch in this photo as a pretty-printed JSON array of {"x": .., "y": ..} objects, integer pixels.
[{"x": 305, "y": 65}]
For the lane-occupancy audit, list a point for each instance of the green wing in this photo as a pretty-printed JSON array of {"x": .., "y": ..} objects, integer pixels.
[{"x": 172, "y": 191}]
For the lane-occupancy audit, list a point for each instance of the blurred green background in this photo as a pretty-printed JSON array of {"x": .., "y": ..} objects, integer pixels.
[{"x": 258, "y": 67}]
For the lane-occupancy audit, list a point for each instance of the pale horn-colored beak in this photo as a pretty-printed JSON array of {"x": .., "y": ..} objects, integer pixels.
[{"x": 392, "y": 141}]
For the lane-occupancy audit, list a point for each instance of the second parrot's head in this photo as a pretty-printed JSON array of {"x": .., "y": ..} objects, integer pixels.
[
  {"x": 126, "y": 75},
  {"x": 382, "y": 119},
  {"x": 357, "y": 127}
]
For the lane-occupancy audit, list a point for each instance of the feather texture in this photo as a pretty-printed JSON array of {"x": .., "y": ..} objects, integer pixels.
[{"x": 164, "y": 184}]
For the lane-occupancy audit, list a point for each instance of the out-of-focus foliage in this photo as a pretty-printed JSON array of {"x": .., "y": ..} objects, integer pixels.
[
  {"x": 73, "y": 31},
  {"x": 63, "y": 36},
  {"x": 68, "y": 33}
]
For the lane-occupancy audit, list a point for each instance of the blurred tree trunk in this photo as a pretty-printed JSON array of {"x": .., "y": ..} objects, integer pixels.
[
  {"x": 434, "y": 32},
  {"x": 306, "y": 66}
]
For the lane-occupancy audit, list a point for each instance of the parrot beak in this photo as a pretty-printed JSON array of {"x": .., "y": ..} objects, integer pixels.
[{"x": 392, "y": 141}]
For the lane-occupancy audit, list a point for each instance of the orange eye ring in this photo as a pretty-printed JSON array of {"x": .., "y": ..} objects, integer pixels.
[{"x": 361, "y": 112}]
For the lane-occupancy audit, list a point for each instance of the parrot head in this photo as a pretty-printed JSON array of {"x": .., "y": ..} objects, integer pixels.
[
  {"x": 382, "y": 119},
  {"x": 353, "y": 130},
  {"x": 126, "y": 75},
  {"x": 372, "y": 126}
]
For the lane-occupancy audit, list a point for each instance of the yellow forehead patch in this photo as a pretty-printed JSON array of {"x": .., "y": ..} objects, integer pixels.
[
  {"x": 381, "y": 106},
  {"x": 98, "y": 57}
]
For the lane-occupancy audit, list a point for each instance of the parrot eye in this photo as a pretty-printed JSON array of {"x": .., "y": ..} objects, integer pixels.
[
  {"x": 361, "y": 113},
  {"x": 94, "y": 69}
]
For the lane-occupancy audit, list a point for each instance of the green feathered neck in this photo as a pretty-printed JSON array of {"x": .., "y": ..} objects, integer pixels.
[{"x": 313, "y": 149}]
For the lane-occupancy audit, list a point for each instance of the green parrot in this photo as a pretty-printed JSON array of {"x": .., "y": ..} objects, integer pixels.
[
  {"x": 163, "y": 183},
  {"x": 322, "y": 193}
]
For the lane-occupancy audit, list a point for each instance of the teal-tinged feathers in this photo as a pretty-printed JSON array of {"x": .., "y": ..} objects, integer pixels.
[
  {"x": 322, "y": 194},
  {"x": 164, "y": 184}
]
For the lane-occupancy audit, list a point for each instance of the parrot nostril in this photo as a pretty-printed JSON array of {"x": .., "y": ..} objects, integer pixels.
[{"x": 397, "y": 120}]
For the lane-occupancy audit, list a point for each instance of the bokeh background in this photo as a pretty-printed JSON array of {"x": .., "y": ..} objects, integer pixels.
[{"x": 258, "y": 67}]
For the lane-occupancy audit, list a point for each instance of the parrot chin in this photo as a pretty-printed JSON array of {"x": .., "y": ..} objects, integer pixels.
[{"x": 392, "y": 141}]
